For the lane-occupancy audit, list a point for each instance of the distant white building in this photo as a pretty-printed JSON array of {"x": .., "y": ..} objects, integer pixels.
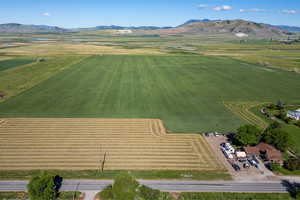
[
  {"x": 294, "y": 114},
  {"x": 124, "y": 31}
]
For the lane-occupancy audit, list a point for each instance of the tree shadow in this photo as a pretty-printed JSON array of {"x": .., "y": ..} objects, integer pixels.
[{"x": 291, "y": 187}]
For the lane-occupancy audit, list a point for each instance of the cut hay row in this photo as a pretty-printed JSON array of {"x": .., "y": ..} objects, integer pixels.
[
  {"x": 80, "y": 144},
  {"x": 242, "y": 109}
]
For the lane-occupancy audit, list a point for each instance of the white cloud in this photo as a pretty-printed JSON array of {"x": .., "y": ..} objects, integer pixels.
[
  {"x": 46, "y": 14},
  {"x": 202, "y": 6},
  {"x": 252, "y": 10},
  {"x": 289, "y": 12},
  {"x": 222, "y": 8}
]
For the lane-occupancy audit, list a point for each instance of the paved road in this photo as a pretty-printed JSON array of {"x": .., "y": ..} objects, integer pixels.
[{"x": 180, "y": 186}]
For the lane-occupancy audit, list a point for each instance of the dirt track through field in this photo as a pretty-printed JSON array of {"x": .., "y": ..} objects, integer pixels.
[{"x": 80, "y": 144}]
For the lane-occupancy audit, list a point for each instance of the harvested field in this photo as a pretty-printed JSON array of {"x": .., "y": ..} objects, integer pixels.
[{"x": 81, "y": 143}]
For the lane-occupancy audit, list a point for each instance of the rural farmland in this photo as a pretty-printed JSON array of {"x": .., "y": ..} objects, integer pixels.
[{"x": 186, "y": 92}]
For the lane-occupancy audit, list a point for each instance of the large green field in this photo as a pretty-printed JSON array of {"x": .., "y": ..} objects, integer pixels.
[{"x": 187, "y": 92}]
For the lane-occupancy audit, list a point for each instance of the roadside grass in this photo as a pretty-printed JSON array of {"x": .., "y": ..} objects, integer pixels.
[
  {"x": 96, "y": 174},
  {"x": 13, "y": 195},
  {"x": 68, "y": 195},
  {"x": 185, "y": 91},
  {"x": 18, "y": 79},
  {"x": 24, "y": 195},
  {"x": 235, "y": 196},
  {"x": 11, "y": 63},
  {"x": 286, "y": 172}
]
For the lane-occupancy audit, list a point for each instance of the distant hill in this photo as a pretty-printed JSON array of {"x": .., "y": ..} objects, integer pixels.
[
  {"x": 289, "y": 28},
  {"x": 249, "y": 28},
  {"x": 20, "y": 28},
  {"x": 191, "y": 21}
]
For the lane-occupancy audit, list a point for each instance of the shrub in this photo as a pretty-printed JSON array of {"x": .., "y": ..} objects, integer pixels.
[
  {"x": 107, "y": 193},
  {"x": 274, "y": 166},
  {"x": 148, "y": 193},
  {"x": 292, "y": 164}
]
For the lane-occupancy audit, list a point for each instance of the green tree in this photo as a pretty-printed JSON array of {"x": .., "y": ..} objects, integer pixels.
[
  {"x": 247, "y": 135},
  {"x": 125, "y": 187},
  {"x": 278, "y": 138},
  {"x": 42, "y": 187}
]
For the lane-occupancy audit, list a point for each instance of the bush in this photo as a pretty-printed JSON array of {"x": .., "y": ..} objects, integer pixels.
[
  {"x": 43, "y": 187},
  {"x": 297, "y": 194},
  {"x": 274, "y": 166},
  {"x": 292, "y": 164},
  {"x": 126, "y": 187},
  {"x": 148, "y": 193},
  {"x": 107, "y": 193}
]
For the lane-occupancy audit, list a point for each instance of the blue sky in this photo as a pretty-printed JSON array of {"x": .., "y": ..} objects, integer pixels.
[{"x": 87, "y": 13}]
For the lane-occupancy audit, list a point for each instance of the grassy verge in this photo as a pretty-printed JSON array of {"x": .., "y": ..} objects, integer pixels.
[
  {"x": 68, "y": 195},
  {"x": 24, "y": 195},
  {"x": 235, "y": 196},
  {"x": 95, "y": 174},
  {"x": 287, "y": 172},
  {"x": 13, "y": 195}
]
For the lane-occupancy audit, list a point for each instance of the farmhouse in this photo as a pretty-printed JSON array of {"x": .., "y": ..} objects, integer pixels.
[
  {"x": 266, "y": 151},
  {"x": 294, "y": 114}
]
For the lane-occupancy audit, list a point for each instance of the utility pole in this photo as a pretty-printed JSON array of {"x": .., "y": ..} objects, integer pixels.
[{"x": 103, "y": 162}]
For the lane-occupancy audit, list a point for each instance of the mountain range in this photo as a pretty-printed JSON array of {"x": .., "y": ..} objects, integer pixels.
[
  {"x": 193, "y": 26},
  {"x": 21, "y": 28}
]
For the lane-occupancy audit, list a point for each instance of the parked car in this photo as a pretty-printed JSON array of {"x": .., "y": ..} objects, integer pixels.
[
  {"x": 242, "y": 160},
  {"x": 236, "y": 167},
  {"x": 226, "y": 153},
  {"x": 246, "y": 165}
]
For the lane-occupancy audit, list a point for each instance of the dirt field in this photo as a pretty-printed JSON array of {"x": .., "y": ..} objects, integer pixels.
[{"x": 78, "y": 144}]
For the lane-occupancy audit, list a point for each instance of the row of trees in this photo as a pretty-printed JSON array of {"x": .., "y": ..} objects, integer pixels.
[{"x": 249, "y": 135}]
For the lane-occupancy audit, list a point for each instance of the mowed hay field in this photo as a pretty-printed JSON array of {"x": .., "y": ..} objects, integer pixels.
[
  {"x": 82, "y": 143},
  {"x": 186, "y": 92}
]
